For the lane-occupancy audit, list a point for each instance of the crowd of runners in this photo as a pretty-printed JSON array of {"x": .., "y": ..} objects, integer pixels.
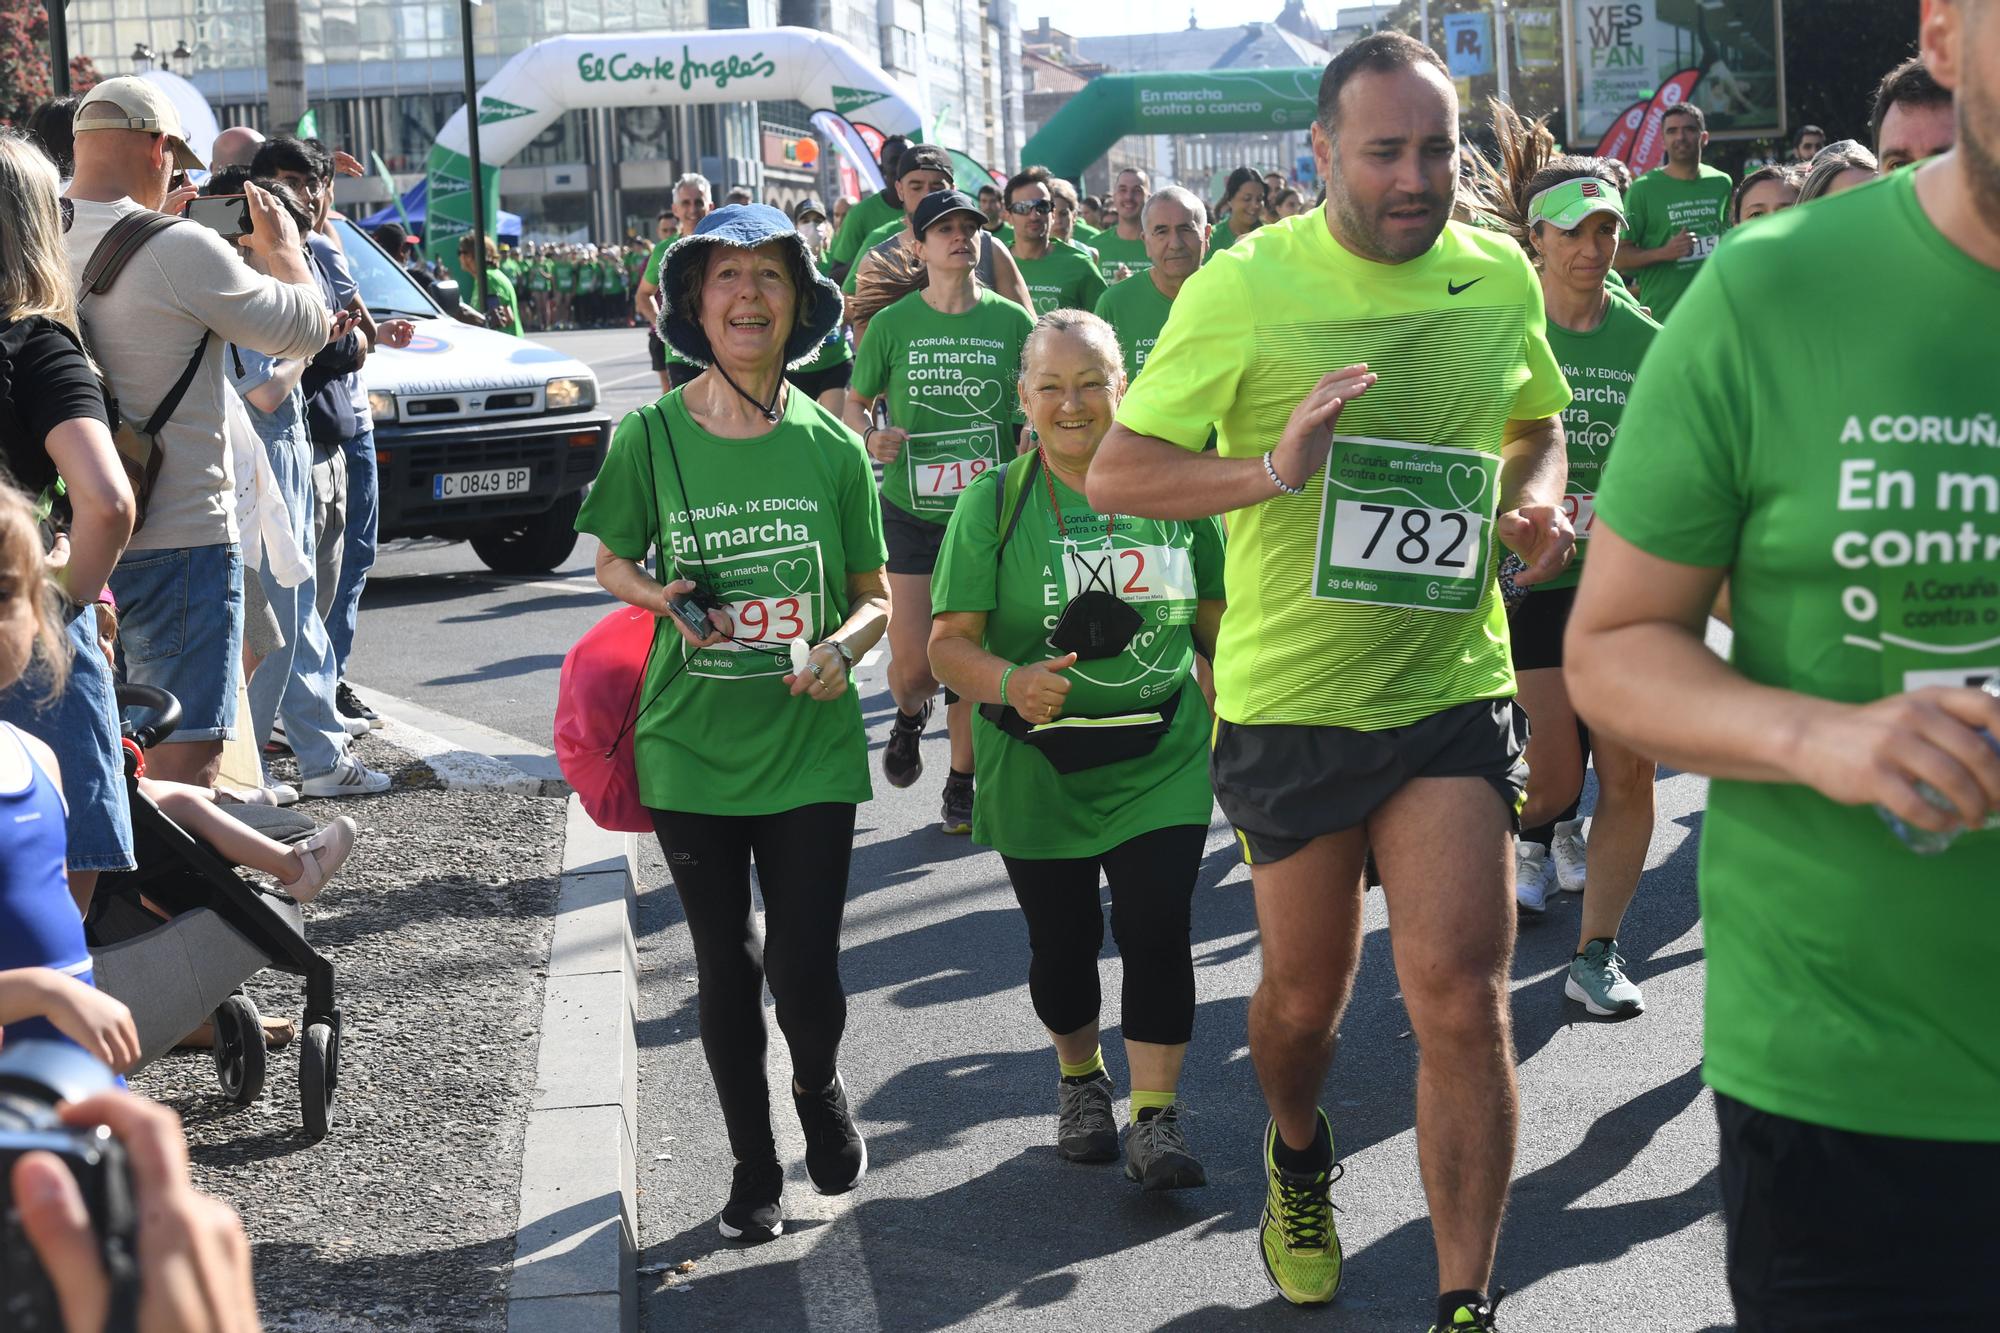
[{"x": 1286, "y": 508}]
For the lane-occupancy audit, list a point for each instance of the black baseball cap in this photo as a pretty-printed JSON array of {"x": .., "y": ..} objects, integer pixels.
[
  {"x": 924, "y": 157},
  {"x": 941, "y": 204},
  {"x": 809, "y": 204}
]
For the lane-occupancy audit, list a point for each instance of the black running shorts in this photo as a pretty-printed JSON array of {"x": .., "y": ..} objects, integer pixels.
[
  {"x": 813, "y": 383},
  {"x": 680, "y": 372},
  {"x": 1537, "y": 625},
  {"x": 1282, "y": 786},
  {"x": 913, "y": 543},
  {"x": 656, "y": 351}
]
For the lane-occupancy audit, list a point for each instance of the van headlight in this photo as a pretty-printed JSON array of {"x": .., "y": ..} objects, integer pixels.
[
  {"x": 571, "y": 394},
  {"x": 381, "y": 406}
]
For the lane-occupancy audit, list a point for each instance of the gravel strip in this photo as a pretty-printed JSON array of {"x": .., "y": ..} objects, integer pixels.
[{"x": 438, "y": 927}]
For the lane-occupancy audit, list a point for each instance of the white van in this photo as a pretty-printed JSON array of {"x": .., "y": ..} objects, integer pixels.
[{"x": 479, "y": 435}]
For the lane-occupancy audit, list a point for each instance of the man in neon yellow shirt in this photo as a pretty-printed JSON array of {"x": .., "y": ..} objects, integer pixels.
[{"x": 1386, "y": 409}]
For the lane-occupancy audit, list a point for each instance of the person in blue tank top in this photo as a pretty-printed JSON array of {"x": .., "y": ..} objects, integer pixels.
[{"x": 45, "y": 989}]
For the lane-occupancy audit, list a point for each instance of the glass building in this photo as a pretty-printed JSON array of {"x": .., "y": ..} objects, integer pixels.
[{"x": 383, "y": 76}]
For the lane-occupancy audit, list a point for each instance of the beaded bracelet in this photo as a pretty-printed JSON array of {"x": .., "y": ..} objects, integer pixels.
[
  {"x": 1271, "y": 471},
  {"x": 1003, "y": 682}
]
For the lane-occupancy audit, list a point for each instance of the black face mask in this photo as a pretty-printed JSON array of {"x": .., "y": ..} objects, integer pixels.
[{"x": 1096, "y": 623}]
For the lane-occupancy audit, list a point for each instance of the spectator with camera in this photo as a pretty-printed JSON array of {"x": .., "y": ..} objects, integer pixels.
[
  {"x": 54, "y": 423},
  {"x": 157, "y": 331}
]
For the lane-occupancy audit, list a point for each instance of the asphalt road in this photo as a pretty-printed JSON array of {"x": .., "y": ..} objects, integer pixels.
[{"x": 967, "y": 1218}]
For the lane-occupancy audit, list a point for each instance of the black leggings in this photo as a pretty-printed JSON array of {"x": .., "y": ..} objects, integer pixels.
[
  {"x": 1152, "y": 883},
  {"x": 802, "y": 858}
]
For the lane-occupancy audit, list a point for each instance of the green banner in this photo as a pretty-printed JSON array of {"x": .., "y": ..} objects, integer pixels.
[
  {"x": 1210, "y": 101},
  {"x": 1537, "y": 38}
]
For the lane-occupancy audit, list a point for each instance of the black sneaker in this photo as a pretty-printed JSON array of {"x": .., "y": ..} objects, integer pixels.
[
  {"x": 902, "y": 757},
  {"x": 836, "y": 1157},
  {"x": 752, "y": 1214},
  {"x": 349, "y": 704},
  {"x": 956, "y": 816}
]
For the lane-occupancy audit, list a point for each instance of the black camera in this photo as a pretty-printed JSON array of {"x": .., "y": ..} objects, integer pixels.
[
  {"x": 692, "y": 608},
  {"x": 34, "y": 1077}
]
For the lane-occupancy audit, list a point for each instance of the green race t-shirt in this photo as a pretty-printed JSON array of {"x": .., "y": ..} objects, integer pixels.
[
  {"x": 862, "y": 218},
  {"x": 1113, "y": 250},
  {"x": 1088, "y": 252},
  {"x": 587, "y": 278},
  {"x": 893, "y": 227},
  {"x": 951, "y": 382},
  {"x": 500, "y": 288},
  {"x": 1600, "y": 366},
  {"x": 654, "y": 264},
  {"x": 1656, "y": 208},
  {"x": 1004, "y": 233},
  {"x": 564, "y": 273},
  {"x": 512, "y": 268},
  {"x": 610, "y": 276},
  {"x": 1062, "y": 279},
  {"x": 1162, "y": 569},
  {"x": 538, "y": 276},
  {"x": 1136, "y": 312},
  {"x": 1839, "y": 459},
  {"x": 778, "y": 525},
  {"x": 635, "y": 265},
  {"x": 835, "y": 350},
  {"x": 1084, "y": 232},
  {"x": 1373, "y": 605}
]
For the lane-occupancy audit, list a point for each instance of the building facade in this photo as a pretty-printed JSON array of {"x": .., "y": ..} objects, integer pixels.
[{"x": 383, "y": 76}]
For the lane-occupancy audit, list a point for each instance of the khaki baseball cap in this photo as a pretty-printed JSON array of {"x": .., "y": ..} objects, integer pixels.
[{"x": 145, "y": 108}]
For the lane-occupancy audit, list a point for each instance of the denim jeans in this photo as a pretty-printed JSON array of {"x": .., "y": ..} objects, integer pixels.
[
  {"x": 297, "y": 680},
  {"x": 358, "y": 546},
  {"x": 180, "y": 629}
]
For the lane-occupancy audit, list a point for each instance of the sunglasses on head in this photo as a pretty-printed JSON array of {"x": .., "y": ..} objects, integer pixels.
[{"x": 1042, "y": 206}]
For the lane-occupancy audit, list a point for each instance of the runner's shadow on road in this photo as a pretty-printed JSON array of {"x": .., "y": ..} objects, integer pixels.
[{"x": 562, "y": 601}]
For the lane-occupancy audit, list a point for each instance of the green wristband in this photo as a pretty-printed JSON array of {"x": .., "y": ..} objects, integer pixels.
[{"x": 1003, "y": 683}]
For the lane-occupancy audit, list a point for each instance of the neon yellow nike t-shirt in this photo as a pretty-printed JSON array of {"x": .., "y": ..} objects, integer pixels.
[{"x": 1371, "y": 604}]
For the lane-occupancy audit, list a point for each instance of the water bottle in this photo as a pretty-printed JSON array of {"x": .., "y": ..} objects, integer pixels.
[{"x": 1921, "y": 840}]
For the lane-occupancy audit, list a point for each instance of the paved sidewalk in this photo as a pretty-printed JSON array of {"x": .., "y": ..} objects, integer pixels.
[{"x": 403, "y": 1218}]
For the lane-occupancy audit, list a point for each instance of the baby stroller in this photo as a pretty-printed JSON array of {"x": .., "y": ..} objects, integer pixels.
[{"x": 177, "y": 938}]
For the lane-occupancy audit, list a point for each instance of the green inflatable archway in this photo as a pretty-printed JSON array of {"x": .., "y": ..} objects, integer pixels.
[{"x": 1112, "y": 106}]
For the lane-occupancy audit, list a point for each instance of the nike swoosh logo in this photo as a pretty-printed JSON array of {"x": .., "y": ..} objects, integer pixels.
[{"x": 1456, "y": 287}]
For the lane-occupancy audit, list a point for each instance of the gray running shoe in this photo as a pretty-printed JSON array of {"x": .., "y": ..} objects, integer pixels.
[
  {"x": 1598, "y": 982},
  {"x": 1086, "y": 1129},
  {"x": 1157, "y": 1154}
]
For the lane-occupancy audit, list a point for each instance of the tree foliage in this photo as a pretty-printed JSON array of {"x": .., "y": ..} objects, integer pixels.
[{"x": 24, "y": 58}]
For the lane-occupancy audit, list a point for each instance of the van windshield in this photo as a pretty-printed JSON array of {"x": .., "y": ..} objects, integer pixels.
[{"x": 388, "y": 291}]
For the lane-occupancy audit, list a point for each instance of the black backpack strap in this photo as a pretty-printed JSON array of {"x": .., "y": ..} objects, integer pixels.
[
  {"x": 126, "y": 238},
  {"x": 164, "y": 413}
]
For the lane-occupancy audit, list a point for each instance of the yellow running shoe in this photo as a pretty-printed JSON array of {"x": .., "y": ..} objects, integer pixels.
[
  {"x": 1473, "y": 1318},
  {"x": 1300, "y": 1248}
]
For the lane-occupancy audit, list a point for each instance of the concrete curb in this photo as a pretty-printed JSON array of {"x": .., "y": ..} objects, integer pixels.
[
  {"x": 576, "y": 1240},
  {"x": 467, "y": 756}
]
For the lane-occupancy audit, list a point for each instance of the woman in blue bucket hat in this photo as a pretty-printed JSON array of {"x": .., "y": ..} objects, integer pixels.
[{"x": 760, "y": 509}]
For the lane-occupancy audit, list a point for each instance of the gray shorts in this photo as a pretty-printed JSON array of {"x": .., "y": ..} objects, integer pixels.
[
  {"x": 261, "y": 632},
  {"x": 1282, "y": 786}
]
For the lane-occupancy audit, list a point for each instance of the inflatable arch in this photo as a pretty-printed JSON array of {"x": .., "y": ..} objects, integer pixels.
[
  {"x": 1112, "y": 106},
  {"x": 649, "y": 69}
]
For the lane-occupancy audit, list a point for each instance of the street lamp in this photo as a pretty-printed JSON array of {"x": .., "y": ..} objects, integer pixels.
[
  {"x": 142, "y": 58},
  {"x": 183, "y": 54}
]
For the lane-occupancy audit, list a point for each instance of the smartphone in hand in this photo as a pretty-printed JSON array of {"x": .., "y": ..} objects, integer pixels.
[{"x": 228, "y": 215}]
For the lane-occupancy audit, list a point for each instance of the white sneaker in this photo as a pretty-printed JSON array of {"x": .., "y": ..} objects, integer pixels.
[
  {"x": 354, "y": 726},
  {"x": 1567, "y": 849},
  {"x": 1531, "y": 875},
  {"x": 348, "y": 777}
]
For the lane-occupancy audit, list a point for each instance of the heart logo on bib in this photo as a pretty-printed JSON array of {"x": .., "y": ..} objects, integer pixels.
[
  {"x": 1457, "y": 476},
  {"x": 793, "y": 575}
]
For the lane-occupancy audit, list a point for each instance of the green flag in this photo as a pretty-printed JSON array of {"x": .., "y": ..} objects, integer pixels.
[
  {"x": 395, "y": 196},
  {"x": 309, "y": 125}
]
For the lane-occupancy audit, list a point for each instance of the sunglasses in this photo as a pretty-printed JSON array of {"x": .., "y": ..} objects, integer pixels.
[{"x": 1042, "y": 206}]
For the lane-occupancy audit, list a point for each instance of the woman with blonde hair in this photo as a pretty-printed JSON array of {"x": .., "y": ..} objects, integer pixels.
[
  {"x": 55, "y": 441},
  {"x": 1076, "y": 633}
]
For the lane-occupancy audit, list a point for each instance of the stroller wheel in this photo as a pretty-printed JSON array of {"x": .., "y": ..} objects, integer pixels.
[
  {"x": 240, "y": 1060},
  {"x": 317, "y": 1079}
]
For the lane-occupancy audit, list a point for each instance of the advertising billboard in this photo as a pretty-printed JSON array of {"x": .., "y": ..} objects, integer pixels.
[{"x": 1625, "y": 51}]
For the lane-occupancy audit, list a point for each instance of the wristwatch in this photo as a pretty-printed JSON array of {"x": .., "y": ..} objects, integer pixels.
[{"x": 846, "y": 653}]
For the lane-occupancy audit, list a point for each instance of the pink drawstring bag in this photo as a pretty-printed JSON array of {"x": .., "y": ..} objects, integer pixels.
[{"x": 596, "y": 706}]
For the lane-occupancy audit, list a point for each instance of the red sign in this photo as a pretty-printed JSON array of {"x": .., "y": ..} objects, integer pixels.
[{"x": 1618, "y": 140}]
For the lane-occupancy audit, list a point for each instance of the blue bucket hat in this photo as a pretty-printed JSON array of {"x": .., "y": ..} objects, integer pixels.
[{"x": 745, "y": 226}]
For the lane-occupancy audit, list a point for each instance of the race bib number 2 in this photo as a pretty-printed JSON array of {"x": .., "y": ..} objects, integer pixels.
[
  {"x": 1406, "y": 525},
  {"x": 1158, "y": 580}
]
